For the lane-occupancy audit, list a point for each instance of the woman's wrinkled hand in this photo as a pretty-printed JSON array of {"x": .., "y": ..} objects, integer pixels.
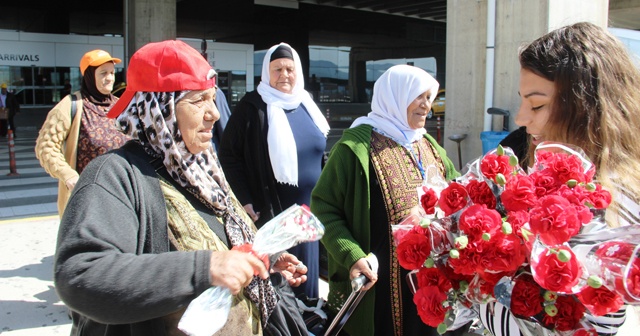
[
  {"x": 235, "y": 269},
  {"x": 71, "y": 183},
  {"x": 249, "y": 209},
  {"x": 291, "y": 269},
  {"x": 362, "y": 267}
]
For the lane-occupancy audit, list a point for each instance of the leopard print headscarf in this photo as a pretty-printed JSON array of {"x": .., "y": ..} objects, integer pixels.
[{"x": 150, "y": 119}]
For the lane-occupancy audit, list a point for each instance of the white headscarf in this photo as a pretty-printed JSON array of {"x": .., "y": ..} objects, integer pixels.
[
  {"x": 282, "y": 146},
  {"x": 393, "y": 92}
]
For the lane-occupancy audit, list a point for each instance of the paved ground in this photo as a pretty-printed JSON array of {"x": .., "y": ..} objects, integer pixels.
[{"x": 29, "y": 304}]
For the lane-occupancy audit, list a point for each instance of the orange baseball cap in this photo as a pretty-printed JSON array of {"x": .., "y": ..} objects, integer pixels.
[
  {"x": 96, "y": 58},
  {"x": 165, "y": 66}
]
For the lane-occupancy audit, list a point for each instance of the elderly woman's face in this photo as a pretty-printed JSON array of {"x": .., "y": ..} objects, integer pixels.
[
  {"x": 417, "y": 110},
  {"x": 105, "y": 77},
  {"x": 282, "y": 74},
  {"x": 196, "y": 113}
]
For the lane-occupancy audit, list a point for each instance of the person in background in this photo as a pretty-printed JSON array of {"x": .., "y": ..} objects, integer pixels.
[
  {"x": 66, "y": 89},
  {"x": 150, "y": 226},
  {"x": 370, "y": 183},
  {"x": 225, "y": 113},
  {"x": 273, "y": 147},
  {"x": 9, "y": 102},
  {"x": 76, "y": 130},
  {"x": 579, "y": 86}
]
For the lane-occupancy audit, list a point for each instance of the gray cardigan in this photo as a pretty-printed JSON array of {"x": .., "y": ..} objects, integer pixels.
[{"x": 110, "y": 267}]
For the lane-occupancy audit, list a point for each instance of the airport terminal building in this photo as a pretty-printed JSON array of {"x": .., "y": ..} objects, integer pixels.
[{"x": 469, "y": 46}]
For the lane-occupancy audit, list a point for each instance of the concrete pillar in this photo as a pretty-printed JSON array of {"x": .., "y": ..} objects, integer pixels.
[
  {"x": 517, "y": 22},
  {"x": 148, "y": 21}
]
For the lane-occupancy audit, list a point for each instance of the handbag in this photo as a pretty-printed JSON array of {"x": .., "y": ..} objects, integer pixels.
[
  {"x": 285, "y": 320},
  {"x": 4, "y": 113}
]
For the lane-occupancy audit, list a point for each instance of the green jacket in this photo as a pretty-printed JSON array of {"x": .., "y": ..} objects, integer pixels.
[{"x": 341, "y": 202}]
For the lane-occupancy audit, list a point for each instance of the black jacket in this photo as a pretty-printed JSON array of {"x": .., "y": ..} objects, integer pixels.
[
  {"x": 518, "y": 141},
  {"x": 244, "y": 156},
  {"x": 110, "y": 267}
]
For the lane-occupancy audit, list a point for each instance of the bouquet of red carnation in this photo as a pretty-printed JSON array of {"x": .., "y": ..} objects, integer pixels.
[{"x": 502, "y": 234}]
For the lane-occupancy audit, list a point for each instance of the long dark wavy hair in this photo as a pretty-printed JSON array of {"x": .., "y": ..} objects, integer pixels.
[{"x": 597, "y": 98}]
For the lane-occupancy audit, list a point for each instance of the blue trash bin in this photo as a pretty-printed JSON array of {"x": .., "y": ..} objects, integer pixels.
[{"x": 490, "y": 140}]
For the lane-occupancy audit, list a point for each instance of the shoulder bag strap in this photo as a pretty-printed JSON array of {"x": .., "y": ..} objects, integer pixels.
[{"x": 74, "y": 108}]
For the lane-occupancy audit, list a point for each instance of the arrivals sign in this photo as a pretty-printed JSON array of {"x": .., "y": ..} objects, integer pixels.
[{"x": 15, "y": 53}]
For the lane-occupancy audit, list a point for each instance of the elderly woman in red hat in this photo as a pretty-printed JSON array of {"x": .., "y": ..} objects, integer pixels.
[
  {"x": 77, "y": 129},
  {"x": 150, "y": 226}
]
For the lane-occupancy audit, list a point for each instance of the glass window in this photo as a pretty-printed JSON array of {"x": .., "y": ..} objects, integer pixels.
[{"x": 330, "y": 65}]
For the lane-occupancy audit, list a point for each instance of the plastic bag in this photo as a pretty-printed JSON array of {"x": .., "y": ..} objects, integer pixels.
[
  {"x": 215, "y": 301},
  {"x": 208, "y": 312}
]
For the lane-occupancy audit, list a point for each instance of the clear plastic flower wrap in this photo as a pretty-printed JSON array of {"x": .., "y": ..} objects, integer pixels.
[
  {"x": 610, "y": 258},
  {"x": 497, "y": 221},
  {"x": 207, "y": 313}
]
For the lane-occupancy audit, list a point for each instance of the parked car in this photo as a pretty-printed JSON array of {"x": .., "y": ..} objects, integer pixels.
[{"x": 437, "y": 108}]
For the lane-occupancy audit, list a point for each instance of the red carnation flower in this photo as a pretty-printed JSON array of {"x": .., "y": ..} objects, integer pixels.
[
  {"x": 504, "y": 253},
  {"x": 466, "y": 263},
  {"x": 630, "y": 288},
  {"x": 564, "y": 166},
  {"x": 433, "y": 277},
  {"x": 477, "y": 219},
  {"x": 480, "y": 193},
  {"x": 454, "y": 277},
  {"x": 519, "y": 194},
  {"x": 600, "y": 198},
  {"x": 492, "y": 165},
  {"x": 545, "y": 182},
  {"x": 453, "y": 198},
  {"x": 614, "y": 256},
  {"x": 600, "y": 301},
  {"x": 556, "y": 275},
  {"x": 428, "y": 201},
  {"x": 517, "y": 219},
  {"x": 413, "y": 250},
  {"x": 526, "y": 300},
  {"x": 568, "y": 167},
  {"x": 554, "y": 219},
  {"x": 578, "y": 196},
  {"x": 569, "y": 314},
  {"x": 429, "y": 302}
]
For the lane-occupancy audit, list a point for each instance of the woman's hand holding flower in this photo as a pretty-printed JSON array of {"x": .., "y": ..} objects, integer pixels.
[{"x": 235, "y": 269}]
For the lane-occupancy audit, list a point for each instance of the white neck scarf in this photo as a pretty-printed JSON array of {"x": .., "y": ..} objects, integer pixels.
[
  {"x": 393, "y": 92},
  {"x": 282, "y": 147}
]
